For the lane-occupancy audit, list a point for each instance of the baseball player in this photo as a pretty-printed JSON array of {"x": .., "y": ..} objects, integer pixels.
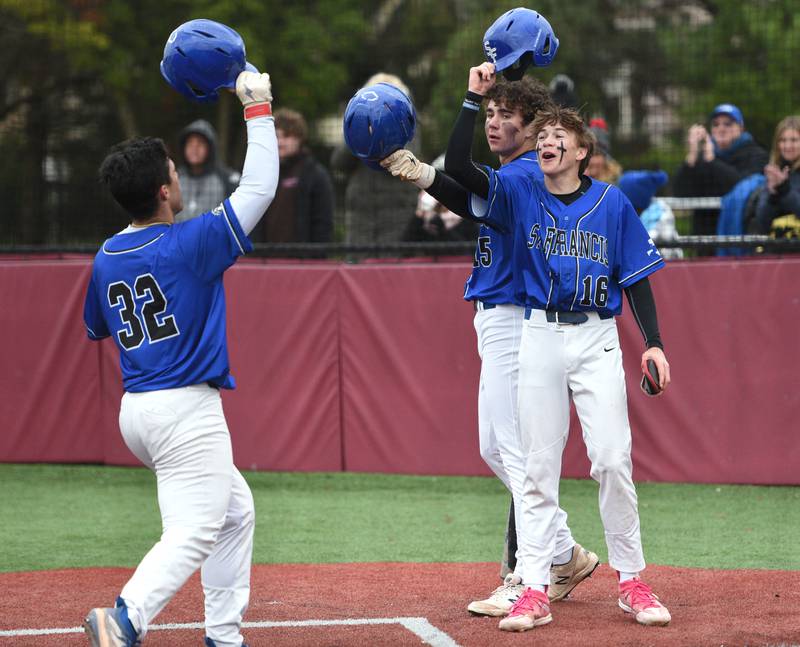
[
  {"x": 580, "y": 244},
  {"x": 499, "y": 314},
  {"x": 156, "y": 290}
]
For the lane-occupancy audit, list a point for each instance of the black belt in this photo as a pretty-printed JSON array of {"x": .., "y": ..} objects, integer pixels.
[
  {"x": 566, "y": 316},
  {"x": 562, "y": 317},
  {"x": 484, "y": 305}
]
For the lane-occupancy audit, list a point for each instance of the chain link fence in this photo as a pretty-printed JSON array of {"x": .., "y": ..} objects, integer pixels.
[{"x": 647, "y": 68}]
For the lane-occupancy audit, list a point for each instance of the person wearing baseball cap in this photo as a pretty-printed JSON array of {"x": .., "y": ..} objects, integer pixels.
[
  {"x": 716, "y": 160},
  {"x": 730, "y": 110}
]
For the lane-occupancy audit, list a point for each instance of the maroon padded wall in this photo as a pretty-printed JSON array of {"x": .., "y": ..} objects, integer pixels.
[
  {"x": 409, "y": 370},
  {"x": 374, "y": 368}
]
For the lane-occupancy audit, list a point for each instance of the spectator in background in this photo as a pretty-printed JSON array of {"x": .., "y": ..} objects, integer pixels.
[
  {"x": 433, "y": 222},
  {"x": 204, "y": 182},
  {"x": 716, "y": 162},
  {"x": 602, "y": 166},
  {"x": 656, "y": 215},
  {"x": 376, "y": 206},
  {"x": 778, "y": 206},
  {"x": 302, "y": 211}
]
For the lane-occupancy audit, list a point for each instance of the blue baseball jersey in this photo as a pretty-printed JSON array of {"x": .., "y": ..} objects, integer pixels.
[
  {"x": 492, "y": 278},
  {"x": 573, "y": 257},
  {"x": 157, "y": 291}
]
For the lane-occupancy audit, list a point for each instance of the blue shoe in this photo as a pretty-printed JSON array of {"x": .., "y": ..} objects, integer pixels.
[
  {"x": 110, "y": 627},
  {"x": 211, "y": 643}
]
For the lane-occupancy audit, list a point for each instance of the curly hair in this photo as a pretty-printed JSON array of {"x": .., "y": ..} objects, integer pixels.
[
  {"x": 570, "y": 120},
  {"x": 528, "y": 95},
  {"x": 133, "y": 171}
]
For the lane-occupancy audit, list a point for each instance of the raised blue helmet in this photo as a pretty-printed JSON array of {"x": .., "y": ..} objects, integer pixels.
[
  {"x": 202, "y": 57},
  {"x": 517, "y": 39},
  {"x": 379, "y": 120}
]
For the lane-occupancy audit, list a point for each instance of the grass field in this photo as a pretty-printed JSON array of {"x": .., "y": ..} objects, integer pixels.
[{"x": 57, "y": 516}]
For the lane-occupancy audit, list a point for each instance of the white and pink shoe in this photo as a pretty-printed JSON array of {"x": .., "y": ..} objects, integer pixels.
[
  {"x": 637, "y": 598},
  {"x": 532, "y": 609}
]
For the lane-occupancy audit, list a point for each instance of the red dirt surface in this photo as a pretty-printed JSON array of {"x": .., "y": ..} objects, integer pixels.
[{"x": 709, "y": 608}]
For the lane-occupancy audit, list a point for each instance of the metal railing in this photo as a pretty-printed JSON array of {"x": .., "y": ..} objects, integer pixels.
[{"x": 344, "y": 251}]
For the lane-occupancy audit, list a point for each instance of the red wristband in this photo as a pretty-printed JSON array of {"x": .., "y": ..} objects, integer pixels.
[{"x": 258, "y": 110}]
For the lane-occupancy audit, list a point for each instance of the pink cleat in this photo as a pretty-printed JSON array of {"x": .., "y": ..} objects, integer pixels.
[
  {"x": 530, "y": 610},
  {"x": 637, "y": 598}
]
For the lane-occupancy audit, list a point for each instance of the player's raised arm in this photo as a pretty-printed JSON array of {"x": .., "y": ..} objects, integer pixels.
[
  {"x": 403, "y": 164},
  {"x": 261, "y": 166},
  {"x": 458, "y": 159}
]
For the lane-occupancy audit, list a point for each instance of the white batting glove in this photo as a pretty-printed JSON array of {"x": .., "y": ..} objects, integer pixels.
[
  {"x": 255, "y": 92},
  {"x": 407, "y": 167}
]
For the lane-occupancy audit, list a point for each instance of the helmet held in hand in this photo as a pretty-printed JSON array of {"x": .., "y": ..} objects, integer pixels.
[
  {"x": 517, "y": 39},
  {"x": 379, "y": 120},
  {"x": 202, "y": 57}
]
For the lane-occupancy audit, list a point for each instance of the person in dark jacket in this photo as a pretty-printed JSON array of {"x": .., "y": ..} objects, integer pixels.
[
  {"x": 302, "y": 211},
  {"x": 716, "y": 161},
  {"x": 205, "y": 183},
  {"x": 778, "y": 206}
]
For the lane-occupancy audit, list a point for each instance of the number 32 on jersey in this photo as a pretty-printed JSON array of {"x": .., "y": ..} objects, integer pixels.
[{"x": 149, "y": 322}]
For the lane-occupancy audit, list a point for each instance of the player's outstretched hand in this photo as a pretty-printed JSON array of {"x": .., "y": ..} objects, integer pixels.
[
  {"x": 404, "y": 164},
  {"x": 255, "y": 92},
  {"x": 655, "y": 370},
  {"x": 481, "y": 78}
]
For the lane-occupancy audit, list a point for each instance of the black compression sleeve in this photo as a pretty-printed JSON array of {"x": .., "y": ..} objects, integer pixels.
[
  {"x": 451, "y": 194},
  {"x": 458, "y": 159},
  {"x": 643, "y": 306}
]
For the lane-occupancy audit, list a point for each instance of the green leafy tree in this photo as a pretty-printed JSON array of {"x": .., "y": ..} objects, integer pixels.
[
  {"x": 80, "y": 75},
  {"x": 592, "y": 49},
  {"x": 746, "y": 54},
  {"x": 97, "y": 64}
]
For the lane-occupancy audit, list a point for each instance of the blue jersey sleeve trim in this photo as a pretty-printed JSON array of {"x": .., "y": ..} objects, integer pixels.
[
  {"x": 640, "y": 274},
  {"x": 493, "y": 193},
  {"x": 93, "y": 335},
  {"x": 235, "y": 227}
]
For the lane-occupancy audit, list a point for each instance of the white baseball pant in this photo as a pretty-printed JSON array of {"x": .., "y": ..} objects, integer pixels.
[
  {"x": 584, "y": 361},
  {"x": 206, "y": 507},
  {"x": 499, "y": 330}
]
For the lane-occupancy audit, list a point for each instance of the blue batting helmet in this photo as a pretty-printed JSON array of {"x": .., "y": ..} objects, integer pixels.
[
  {"x": 201, "y": 57},
  {"x": 379, "y": 120},
  {"x": 518, "y": 38}
]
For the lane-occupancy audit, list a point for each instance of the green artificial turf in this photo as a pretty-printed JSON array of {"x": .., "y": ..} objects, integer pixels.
[{"x": 57, "y": 516}]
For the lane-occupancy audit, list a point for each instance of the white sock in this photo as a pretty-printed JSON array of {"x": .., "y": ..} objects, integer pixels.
[
  {"x": 624, "y": 576},
  {"x": 563, "y": 558}
]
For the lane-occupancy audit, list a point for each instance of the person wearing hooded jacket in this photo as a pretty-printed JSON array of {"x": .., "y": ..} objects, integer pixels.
[
  {"x": 205, "y": 183},
  {"x": 716, "y": 162}
]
